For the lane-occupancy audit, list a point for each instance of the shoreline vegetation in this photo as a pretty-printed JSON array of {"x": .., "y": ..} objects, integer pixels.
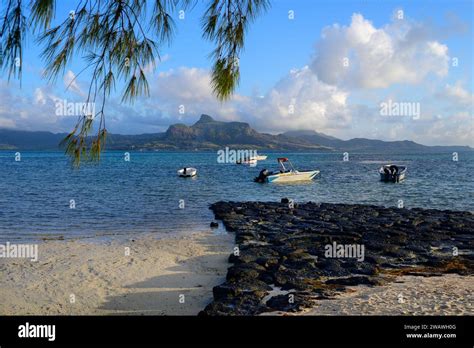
[{"x": 312, "y": 259}]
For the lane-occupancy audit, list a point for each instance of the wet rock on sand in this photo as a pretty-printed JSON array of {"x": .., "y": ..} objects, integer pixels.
[{"x": 285, "y": 246}]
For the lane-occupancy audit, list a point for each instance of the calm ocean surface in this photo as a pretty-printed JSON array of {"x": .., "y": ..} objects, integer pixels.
[{"x": 125, "y": 198}]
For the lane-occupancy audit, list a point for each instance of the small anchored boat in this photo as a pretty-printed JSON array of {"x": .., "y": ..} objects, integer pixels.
[
  {"x": 187, "y": 172},
  {"x": 252, "y": 161},
  {"x": 287, "y": 173},
  {"x": 392, "y": 173}
]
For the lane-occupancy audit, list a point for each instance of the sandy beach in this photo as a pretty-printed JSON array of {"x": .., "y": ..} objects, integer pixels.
[
  {"x": 408, "y": 295},
  {"x": 193, "y": 273},
  {"x": 172, "y": 276},
  {"x": 80, "y": 277}
]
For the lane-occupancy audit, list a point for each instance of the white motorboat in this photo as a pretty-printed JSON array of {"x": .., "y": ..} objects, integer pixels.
[
  {"x": 187, "y": 172},
  {"x": 253, "y": 160},
  {"x": 287, "y": 173},
  {"x": 392, "y": 173}
]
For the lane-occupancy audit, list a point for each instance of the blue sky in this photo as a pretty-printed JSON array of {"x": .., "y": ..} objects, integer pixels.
[{"x": 287, "y": 61}]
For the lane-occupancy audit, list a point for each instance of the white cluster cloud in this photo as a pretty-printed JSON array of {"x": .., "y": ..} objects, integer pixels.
[
  {"x": 322, "y": 96},
  {"x": 457, "y": 94},
  {"x": 71, "y": 83},
  {"x": 188, "y": 90},
  {"x": 318, "y": 97},
  {"x": 455, "y": 129},
  {"x": 184, "y": 84},
  {"x": 362, "y": 56},
  {"x": 299, "y": 101},
  {"x": 37, "y": 112}
]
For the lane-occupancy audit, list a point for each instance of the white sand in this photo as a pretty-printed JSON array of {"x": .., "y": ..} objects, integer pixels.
[
  {"x": 151, "y": 279},
  {"x": 104, "y": 280},
  {"x": 449, "y": 294}
]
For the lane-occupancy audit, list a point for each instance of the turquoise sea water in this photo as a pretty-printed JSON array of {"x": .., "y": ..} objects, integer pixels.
[{"x": 124, "y": 198}]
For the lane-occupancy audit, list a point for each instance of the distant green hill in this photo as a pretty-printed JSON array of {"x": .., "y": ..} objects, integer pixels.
[
  {"x": 209, "y": 134},
  {"x": 369, "y": 145},
  {"x": 25, "y": 140}
]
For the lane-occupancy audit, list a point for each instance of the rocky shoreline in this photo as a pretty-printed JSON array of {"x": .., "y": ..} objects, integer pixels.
[{"x": 289, "y": 255}]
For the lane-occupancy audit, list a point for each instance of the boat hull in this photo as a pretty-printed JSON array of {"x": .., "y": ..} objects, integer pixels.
[
  {"x": 392, "y": 178},
  {"x": 189, "y": 173},
  {"x": 250, "y": 162},
  {"x": 293, "y": 176},
  {"x": 387, "y": 177}
]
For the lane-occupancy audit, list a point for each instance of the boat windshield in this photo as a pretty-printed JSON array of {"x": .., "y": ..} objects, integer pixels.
[{"x": 289, "y": 166}]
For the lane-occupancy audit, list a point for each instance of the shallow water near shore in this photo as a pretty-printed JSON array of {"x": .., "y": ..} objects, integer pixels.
[{"x": 118, "y": 197}]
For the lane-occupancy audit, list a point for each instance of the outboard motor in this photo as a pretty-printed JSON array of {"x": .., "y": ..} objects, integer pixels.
[{"x": 262, "y": 176}]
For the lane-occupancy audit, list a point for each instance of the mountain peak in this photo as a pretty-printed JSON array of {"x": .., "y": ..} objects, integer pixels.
[{"x": 205, "y": 119}]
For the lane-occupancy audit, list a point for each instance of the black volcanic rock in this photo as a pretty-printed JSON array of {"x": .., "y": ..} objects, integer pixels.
[
  {"x": 286, "y": 251},
  {"x": 290, "y": 302}
]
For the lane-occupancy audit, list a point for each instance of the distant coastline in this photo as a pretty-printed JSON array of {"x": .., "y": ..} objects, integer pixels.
[{"x": 208, "y": 134}]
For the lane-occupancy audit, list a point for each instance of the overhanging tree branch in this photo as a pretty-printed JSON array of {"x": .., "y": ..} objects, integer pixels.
[{"x": 113, "y": 39}]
